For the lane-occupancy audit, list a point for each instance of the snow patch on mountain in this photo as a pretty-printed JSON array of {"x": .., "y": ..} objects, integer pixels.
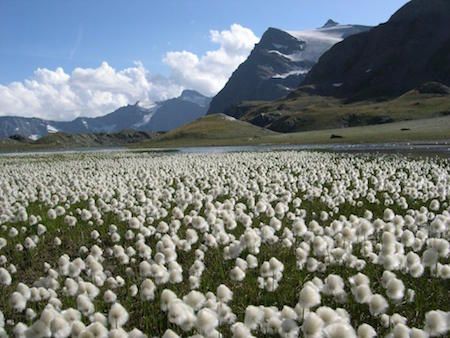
[
  {"x": 51, "y": 129},
  {"x": 34, "y": 137},
  {"x": 294, "y": 57},
  {"x": 318, "y": 41},
  {"x": 291, "y": 73},
  {"x": 147, "y": 117}
]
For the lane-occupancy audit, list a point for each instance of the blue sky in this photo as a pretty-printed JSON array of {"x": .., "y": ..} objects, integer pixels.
[
  {"x": 82, "y": 33},
  {"x": 71, "y": 34}
]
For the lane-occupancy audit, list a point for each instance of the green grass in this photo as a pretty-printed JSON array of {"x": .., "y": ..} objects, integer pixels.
[
  {"x": 210, "y": 130},
  {"x": 423, "y": 130},
  {"x": 216, "y": 133},
  {"x": 306, "y": 113}
]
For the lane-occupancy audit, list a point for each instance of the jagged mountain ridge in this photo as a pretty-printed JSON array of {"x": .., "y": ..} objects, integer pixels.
[
  {"x": 412, "y": 48},
  {"x": 163, "y": 116},
  {"x": 278, "y": 64}
]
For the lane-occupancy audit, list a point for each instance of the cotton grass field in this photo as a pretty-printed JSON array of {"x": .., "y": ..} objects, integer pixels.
[{"x": 274, "y": 244}]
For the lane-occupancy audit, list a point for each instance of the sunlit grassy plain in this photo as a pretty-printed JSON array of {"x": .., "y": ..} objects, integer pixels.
[{"x": 215, "y": 130}]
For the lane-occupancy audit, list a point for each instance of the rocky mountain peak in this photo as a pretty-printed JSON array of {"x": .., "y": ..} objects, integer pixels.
[
  {"x": 412, "y": 48},
  {"x": 330, "y": 23},
  {"x": 194, "y": 97}
]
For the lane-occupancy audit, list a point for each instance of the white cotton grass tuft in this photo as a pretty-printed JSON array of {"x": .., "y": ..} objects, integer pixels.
[
  {"x": 386, "y": 277},
  {"x": 224, "y": 294},
  {"x": 60, "y": 328},
  {"x": 96, "y": 329},
  {"x": 309, "y": 297},
  {"x": 181, "y": 315},
  {"x": 117, "y": 333},
  {"x": 253, "y": 317},
  {"x": 416, "y": 270},
  {"x": 237, "y": 274},
  {"x": 397, "y": 319},
  {"x": 38, "y": 329},
  {"x": 109, "y": 296},
  {"x": 418, "y": 333},
  {"x": 239, "y": 330},
  {"x": 71, "y": 315},
  {"x": 436, "y": 323},
  {"x": 377, "y": 304},
  {"x": 167, "y": 296},
  {"x": 17, "y": 301},
  {"x": 252, "y": 261},
  {"x": 334, "y": 285},
  {"x": 430, "y": 257},
  {"x": 361, "y": 293},
  {"x": 366, "y": 331},
  {"x": 401, "y": 331},
  {"x": 30, "y": 314},
  {"x": 195, "y": 299},
  {"x": 312, "y": 325},
  {"x": 170, "y": 334},
  {"x": 136, "y": 333},
  {"x": 19, "y": 330},
  {"x": 359, "y": 279},
  {"x": 99, "y": 318},
  {"x": 5, "y": 277},
  {"x": 328, "y": 315},
  {"x": 207, "y": 321},
  {"x": 147, "y": 290},
  {"x": 117, "y": 316},
  {"x": 395, "y": 289},
  {"x": 340, "y": 330}
]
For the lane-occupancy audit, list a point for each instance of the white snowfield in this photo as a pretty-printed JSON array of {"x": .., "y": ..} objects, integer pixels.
[
  {"x": 314, "y": 44},
  {"x": 51, "y": 129},
  {"x": 318, "y": 41},
  {"x": 34, "y": 137},
  {"x": 288, "y": 244}
]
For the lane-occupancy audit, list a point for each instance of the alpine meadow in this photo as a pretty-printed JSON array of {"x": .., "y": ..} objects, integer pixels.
[{"x": 277, "y": 177}]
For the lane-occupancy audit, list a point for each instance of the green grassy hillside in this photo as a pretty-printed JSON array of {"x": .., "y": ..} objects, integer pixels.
[
  {"x": 211, "y": 130},
  {"x": 214, "y": 130},
  {"x": 302, "y": 112}
]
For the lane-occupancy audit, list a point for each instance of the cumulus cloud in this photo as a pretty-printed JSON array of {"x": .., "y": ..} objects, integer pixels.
[
  {"x": 57, "y": 95},
  {"x": 54, "y": 94},
  {"x": 209, "y": 73}
]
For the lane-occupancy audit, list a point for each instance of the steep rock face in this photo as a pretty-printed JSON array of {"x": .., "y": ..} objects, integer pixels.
[
  {"x": 267, "y": 74},
  {"x": 278, "y": 64},
  {"x": 163, "y": 116},
  {"x": 412, "y": 48}
]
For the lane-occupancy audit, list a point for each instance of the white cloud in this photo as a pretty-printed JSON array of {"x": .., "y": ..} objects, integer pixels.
[
  {"x": 55, "y": 94},
  {"x": 209, "y": 73}
]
